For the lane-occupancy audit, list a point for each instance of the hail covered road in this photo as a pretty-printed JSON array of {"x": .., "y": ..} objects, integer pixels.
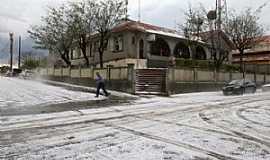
[{"x": 189, "y": 126}]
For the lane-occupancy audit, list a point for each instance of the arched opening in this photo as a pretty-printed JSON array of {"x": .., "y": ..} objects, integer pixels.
[
  {"x": 160, "y": 48},
  {"x": 200, "y": 53},
  {"x": 181, "y": 50},
  {"x": 141, "y": 49}
]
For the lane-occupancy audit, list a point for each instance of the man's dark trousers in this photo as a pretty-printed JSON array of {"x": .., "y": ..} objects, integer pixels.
[{"x": 101, "y": 86}]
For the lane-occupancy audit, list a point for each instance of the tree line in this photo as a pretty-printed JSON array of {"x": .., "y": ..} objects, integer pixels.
[{"x": 73, "y": 25}]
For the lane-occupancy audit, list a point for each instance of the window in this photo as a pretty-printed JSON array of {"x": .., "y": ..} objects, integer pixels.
[
  {"x": 181, "y": 51},
  {"x": 133, "y": 40},
  {"x": 118, "y": 44},
  {"x": 160, "y": 48},
  {"x": 200, "y": 53}
]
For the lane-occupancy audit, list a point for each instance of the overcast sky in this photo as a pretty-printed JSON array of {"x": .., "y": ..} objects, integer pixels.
[{"x": 17, "y": 15}]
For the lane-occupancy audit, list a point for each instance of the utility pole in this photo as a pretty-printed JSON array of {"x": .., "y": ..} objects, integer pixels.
[
  {"x": 11, "y": 50},
  {"x": 126, "y": 10},
  {"x": 219, "y": 12},
  {"x": 20, "y": 46},
  {"x": 139, "y": 10},
  {"x": 219, "y": 8}
]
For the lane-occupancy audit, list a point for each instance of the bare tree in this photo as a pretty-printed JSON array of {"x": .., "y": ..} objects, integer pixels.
[
  {"x": 244, "y": 31},
  {"x": 81, "y": 15},
  {"x": 54, "y": 33},
  {"x": 109, "y": 14},
  {"x": 216, "y": 36},
  {"x": 194, "y": 25}
]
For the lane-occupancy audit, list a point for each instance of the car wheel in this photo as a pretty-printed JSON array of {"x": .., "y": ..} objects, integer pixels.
[
  {"x": 250, "y": 90},
  {"x": 241, "y": 91},
  {"x": 254, "y": 90}
]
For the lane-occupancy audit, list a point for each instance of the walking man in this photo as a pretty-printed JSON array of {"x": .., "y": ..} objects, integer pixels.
[{"x": 100, "y": 85}]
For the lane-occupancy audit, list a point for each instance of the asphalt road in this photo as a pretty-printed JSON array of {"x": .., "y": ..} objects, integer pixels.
[{"x": 190, "y": 126}]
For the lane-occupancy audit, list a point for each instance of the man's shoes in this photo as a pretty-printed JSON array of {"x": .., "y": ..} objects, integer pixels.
[{"x": 96, "y": 96}]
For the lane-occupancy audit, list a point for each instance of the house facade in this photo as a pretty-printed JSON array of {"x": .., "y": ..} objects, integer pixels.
[
  {"x": 258, "y": 55},
  {"x": 145, "y": 46}
]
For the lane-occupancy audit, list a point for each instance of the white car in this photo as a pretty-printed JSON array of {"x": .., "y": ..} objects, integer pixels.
[{"x": 266, "y": 88}]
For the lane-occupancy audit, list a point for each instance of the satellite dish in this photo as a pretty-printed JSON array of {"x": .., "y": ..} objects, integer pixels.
[{"x": 212, "y": 15}]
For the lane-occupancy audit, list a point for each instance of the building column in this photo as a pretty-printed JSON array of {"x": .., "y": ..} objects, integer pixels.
[{"x": 132, "y": 78}]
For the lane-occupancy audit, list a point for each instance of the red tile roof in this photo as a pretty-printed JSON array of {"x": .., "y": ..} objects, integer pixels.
[
  {"x": 265, "y": 39},
  {"x": 143, "y": 27}
]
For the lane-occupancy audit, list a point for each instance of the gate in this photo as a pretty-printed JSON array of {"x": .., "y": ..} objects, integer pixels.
[{"x": 151, "y": 81}]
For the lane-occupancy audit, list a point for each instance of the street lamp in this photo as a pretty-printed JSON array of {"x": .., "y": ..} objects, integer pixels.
[{"x": 11, "y": 50}]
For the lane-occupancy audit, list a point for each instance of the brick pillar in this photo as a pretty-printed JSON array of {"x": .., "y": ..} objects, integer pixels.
[
  {"x": 131, "y": 78},
  {"x": 195, "y": 74},
  {"x": 69, "y": 71},
  {"x": 109, "y": 71},
  {"x": 61, "y": 71},
  {"x": 80, "y": 71},
  {"x": 53, "y": 70},
  {"x": 170, "y": 80}
]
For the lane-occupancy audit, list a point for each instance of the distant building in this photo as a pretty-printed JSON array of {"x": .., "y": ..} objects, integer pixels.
[
  {"x": 146, "y": 45},
  {"x": 259, "y": 54}
]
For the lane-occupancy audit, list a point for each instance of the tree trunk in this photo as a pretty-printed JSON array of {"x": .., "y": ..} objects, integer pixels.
[
  {"x": 242, "y": 70},
  {"x": 66, "y": 60},
  {"x": 101, "y": 50},
  {"x": 101, "y": 58},
  {"x": 85, "y": 57},
  {"x": 83, "y": 46}
]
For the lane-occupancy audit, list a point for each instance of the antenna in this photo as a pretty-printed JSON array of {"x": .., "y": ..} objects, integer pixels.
[
  {"x": 226, "y": 9},
  {"x": 126, "y": 10},
  {"x": 139, "y": 10}
]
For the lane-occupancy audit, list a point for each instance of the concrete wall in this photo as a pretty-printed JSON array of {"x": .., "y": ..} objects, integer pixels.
[
  {"x": 223, "y": 77},
  {"x": 116, "y": 78},
  {"x": 138, "y": 63},
  {"x": 58, "y": 72},
  {"x": 184, "y": 75},
  {"x": 250, "y": 77},
  {"x": 237, "y": 75},
  {"x": 195, "y": 80},
  {"x": 75, "y": 73},
  {"x": 86, "y": 73},
  {"x": 204, "y": 76},
  {"x": 267, "y": 78},
  {"x": 50, "y": 71},
  {"x": 179, "y": 80},
  {"x": 66, "y": 72},
  {"x": 260, "y": 79}
]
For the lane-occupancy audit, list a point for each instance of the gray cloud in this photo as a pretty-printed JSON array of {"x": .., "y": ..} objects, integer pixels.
[{"x": 18, "y": 15}]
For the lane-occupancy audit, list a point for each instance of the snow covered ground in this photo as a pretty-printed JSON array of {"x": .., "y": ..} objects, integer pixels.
[
  {"x": 189, "y": 126},
  {"x": 18, "y": 94}
]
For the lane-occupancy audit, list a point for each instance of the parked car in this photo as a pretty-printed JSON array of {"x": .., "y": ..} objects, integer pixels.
[
  {"x": 9, "y": 74},
  {"x": 238, "y": 87},
  {"x": 27, "y": 74},
  {"x": 13, "y": 73},
  {"x": 266, "y": 88}
]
